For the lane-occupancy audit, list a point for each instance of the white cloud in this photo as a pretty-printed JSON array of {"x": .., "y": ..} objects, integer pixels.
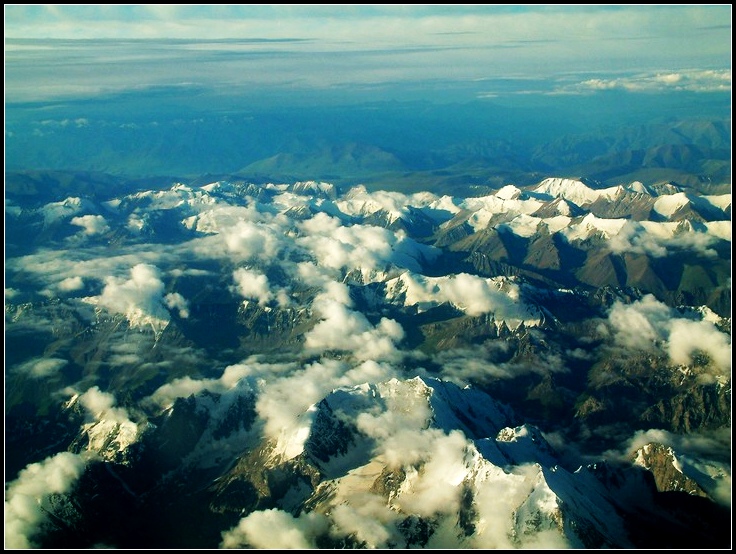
[
  {"x": 248, "y": 240},
  {"x": 11, "y": 293},
  {"x": 703, "y": 456},
  {"x": 650, "y": 325},
  {"x": 641, "y": 325},
  {"x": 341, "y": 328},
  {"x": 436, "y": 487},
  {"x": 369, "y": 519},
  {"x": 691, "y": 80},
  {"x": 658, "y": 239},
  {"x": 276, "y": 529},
  {"x": 41, "y": 367},
  {"x": 141, "y": 298},
  {"x": 688, "y": 337},
  {"x": 27, "y": 498},
  {"x": 337, "y": 246},
  {"x": 175, "y": 301},
  {"x": 250, "y": 283},
  {"x": 250, "y": 373},
  {"x": 92, "y": 224},
  {"x": 101, "y": 405},
  {"x": 71, "y": 284},
  {"x": 473, "y": 294}
]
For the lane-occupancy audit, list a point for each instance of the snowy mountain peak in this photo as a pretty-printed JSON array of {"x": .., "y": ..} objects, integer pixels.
[
  {"x": 570, "y": 189},
  {"x": 508, "y": 192}
]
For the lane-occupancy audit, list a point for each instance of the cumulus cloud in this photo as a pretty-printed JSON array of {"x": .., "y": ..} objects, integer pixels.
[
  {"x": 71, "y": 284},
  {"x": 141, "y": 298},
  {"x": 498, "y": 498},
  {"x": 650, "y": 325},
  {"x": 368, "y": 518},
  {"x": 249, "y": 373},
  {"x": 286, "y": 404},
  {"x": 175, "y": 301},
  {"x": 27, "y": 498},
  {"x": 101, "y": 405},
  {"x": 481, "y": 363},
  {"x": 659, "y": 239},
  {"x": 91, "y": 224},
  {"x": 709, "y": 80},
  {"x": 371, "y": 249},
  {"x": 41, "y": 367},
  {"x": 11, "y": 293},
  {"x": 473, "y": 294},
  {"x": 276, "y": 529},
  {"x": 248, "y": 240},
  {"x": 690, "y": 337},
  {"x": 253, "y": 284},
  {"x": 435, "y": 488},
  {"x": 641, "y": 325},
  {"x": 341, "y": 328}
]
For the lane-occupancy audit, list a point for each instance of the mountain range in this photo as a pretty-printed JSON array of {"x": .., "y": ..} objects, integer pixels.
[{"x": 291, "y": 364}]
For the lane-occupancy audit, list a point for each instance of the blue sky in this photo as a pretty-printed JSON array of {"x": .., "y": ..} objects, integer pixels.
[{"x": 487, "y": 49}]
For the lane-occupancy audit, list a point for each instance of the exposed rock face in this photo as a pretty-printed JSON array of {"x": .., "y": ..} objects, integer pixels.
[{"x": 661, "y": 461}]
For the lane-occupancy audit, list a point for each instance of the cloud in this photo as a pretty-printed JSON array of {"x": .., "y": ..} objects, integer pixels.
[
  {"x": 703, "y": 456},
  {"x": 141, "y": 298},
  {"x": 690, "y": 80},
  {"x": 250, "y": 373},
  {"x": 690, "y": 337},
  {"x": 436, "y": 487},
  {"x": 369, "y": 519},
  {"x": 650, "y": 325},
  {"x": 253, "y": 284},
  {"x": 41, "y": 367},
  {"x": 71, "y": 284},
  {"x": 497, "y": 501},
  {"x": 473, "y": 294},
  {"x": 659, "y": 239},
  {"x": 285, "y": 403},
  {"x": 276, "y": 529},
  {"x": 92, "y": 224},
  {"x": 486, "y": 362},
  {"x": 295, "y": 49},
  {"x": 341, "y": 328},
  {"x": 11, "y": 293},
  {"x": 248, "y": 240},
  {"x": 372, "y": 250},
  {"x": 175, "y": 301},
  {"x": 641, "y": 325},
  {"x": 101, "y": 405},
  {"x": 27, "y": 498}
]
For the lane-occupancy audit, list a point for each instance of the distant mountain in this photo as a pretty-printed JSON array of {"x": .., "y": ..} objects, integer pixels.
[{"x": 452, "y": 148}]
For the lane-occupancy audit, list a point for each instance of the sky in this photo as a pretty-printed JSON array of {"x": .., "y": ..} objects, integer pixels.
[{"x": 72, "y": 51}]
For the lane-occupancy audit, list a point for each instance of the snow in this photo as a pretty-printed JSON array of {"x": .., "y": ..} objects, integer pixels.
[
  {"x": 557, "y": 223},
  {"x": 720, "y": 229},
  {"x": 722, "y": 201},
  {"x": 55, "y": 211},
  {"x": 591, "y": 225},
  {"x": 509, "y": 192},
  {"x": 574, "y": 191},
  {"x": 99, "y": 433},
  {"x": 494, "y": 204},
  {"x": 218, "y": 219},
  {"x": 639, "y": 187},
  {"x": 523, "y": 225},
  {"x": 709, "y": 315},
  {"x": 667, "y": 205}
]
